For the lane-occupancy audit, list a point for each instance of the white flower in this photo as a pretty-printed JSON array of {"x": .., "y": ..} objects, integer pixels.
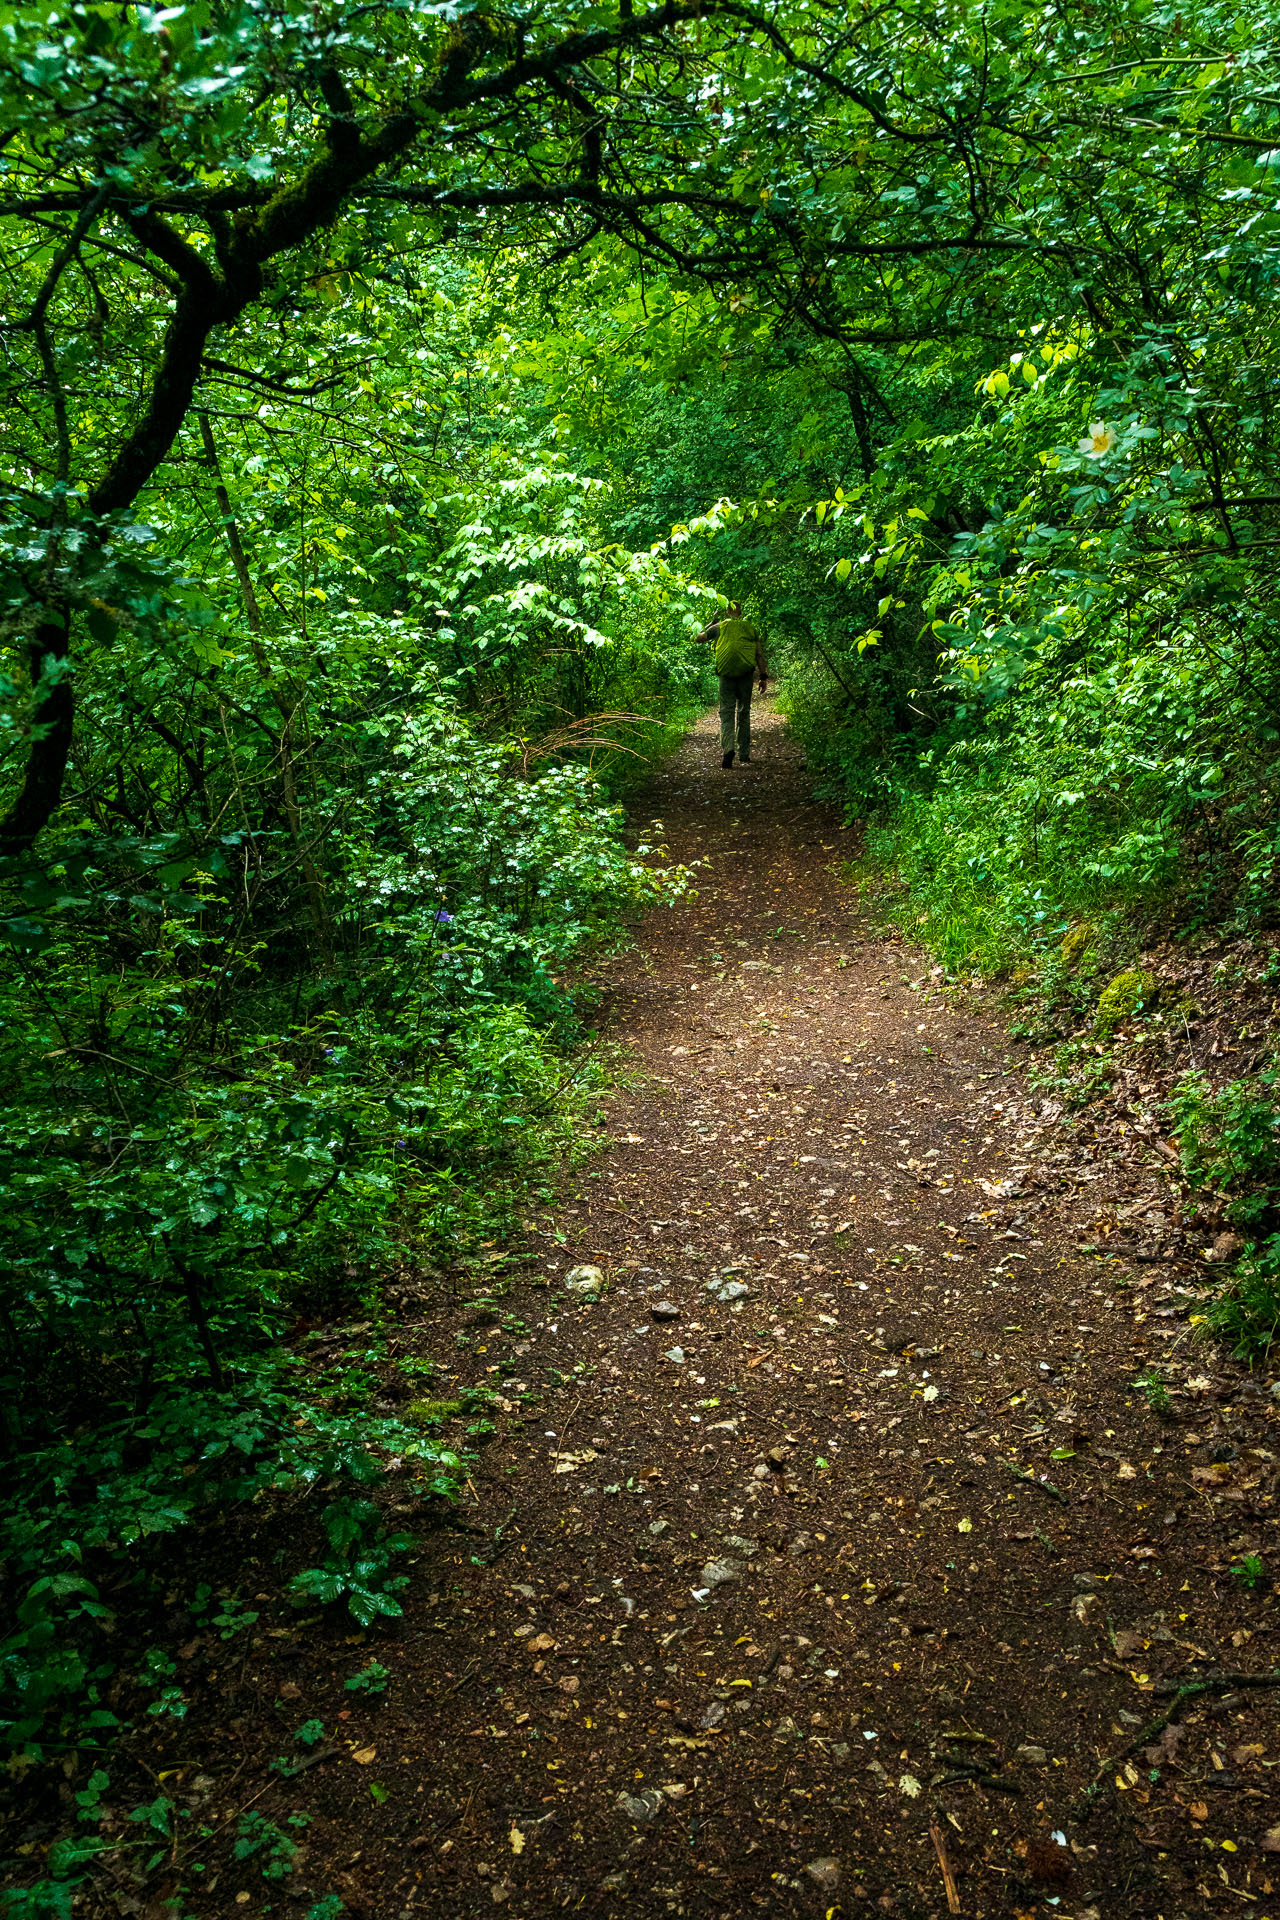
[{"x": 1099, "y": 440}]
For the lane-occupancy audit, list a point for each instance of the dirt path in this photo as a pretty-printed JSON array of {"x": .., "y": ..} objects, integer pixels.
[{"x": 827, "y": 1552}]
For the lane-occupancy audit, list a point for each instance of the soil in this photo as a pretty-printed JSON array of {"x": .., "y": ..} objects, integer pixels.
[{"x": 824, "y": 1557}]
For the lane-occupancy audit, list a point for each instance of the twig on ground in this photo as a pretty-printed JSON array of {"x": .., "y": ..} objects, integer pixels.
[
  {"x": 1030, "y": 1479},
  {"x": 555, "y": 1461},
  {"x": 1190, "y": 1690},
  {"x": 499, "y": 1546},
  {"x": 462, "y": 1680},
  {"x": 944, "y": 1861},
  {"x": 971, "y": 1777}
]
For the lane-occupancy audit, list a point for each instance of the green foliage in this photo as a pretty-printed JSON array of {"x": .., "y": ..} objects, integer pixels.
[
  {"x": 1246, "y": 1314},
  {"x": 358, "y": 1569},
  {"x": 1251, "y": 1572},
  {"x": 1156, "y": 1393},
  {"x": 372, "y": 1678},
  {"x": 1229, "y": 1140},
  {"x": 258, "y": 1838}
]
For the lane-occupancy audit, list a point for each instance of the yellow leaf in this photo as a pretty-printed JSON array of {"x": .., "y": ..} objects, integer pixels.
[{"x": 364, "y": 1755}]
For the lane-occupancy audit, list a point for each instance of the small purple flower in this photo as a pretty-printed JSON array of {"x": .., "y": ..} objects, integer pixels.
[{"x": 444, "y": 919}]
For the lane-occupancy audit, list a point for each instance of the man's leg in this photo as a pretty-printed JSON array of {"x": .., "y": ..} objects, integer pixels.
[
  {"x": 744, "y": 716},
  {"x": 728, "y": 700}
]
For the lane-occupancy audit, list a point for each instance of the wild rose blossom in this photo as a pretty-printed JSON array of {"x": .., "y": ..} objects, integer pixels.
[{"x": 1099, "y": 440}]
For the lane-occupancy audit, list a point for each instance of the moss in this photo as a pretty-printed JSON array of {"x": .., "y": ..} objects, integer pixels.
[
  {"x": 1076, "y": 942},
  {"x": 428, "y": 1413},
  {"x": 1122, "y": 997}
]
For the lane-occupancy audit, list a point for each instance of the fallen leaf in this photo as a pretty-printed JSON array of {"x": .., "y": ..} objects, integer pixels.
[
  {"x": 363, "y": 1755},
  {"x": 1164, "y": 1751},
  {"x": 570, "y": 1462},
  {"x": 541, "y": 1643},
  {"x": 517, "y": 1840}
]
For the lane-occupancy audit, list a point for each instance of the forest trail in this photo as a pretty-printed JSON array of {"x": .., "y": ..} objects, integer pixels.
[{"x": 832, "y": 1541}]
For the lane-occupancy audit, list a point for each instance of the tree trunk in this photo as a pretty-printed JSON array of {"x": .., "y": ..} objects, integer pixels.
[{"x": 51, "y": 721}]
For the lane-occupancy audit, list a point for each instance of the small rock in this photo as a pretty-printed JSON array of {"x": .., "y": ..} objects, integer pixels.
[
  {"x": 737, "y": 1544},
  {"x": 777, "y": 1458},
  {"x": 1089, "y": 1581},
  {"x": 825, "y": 1873},
  {"x": 658, "y": 1527},
  {"x": 584, "y": 1279},
  {"x": 664, "y": 1310},
  {"x": 675, "y": 1355},
  {"x": 719, "y": 1573},
  {"x": 1034, "y": 1756},
  {"x": 641, "y": 1807},
  {"x": 713, "y": 1714},
  {"x": 1129, "y": 993},
  {"x": 728, "y": 1290},
  {"x": 1270, "y": 1841}
]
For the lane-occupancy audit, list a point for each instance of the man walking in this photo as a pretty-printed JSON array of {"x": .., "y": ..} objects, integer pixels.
[{"x": 740, "y": 656}]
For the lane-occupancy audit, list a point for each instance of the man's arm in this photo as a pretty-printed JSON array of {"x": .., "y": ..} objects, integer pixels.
[{"x": 711, "y": 633}]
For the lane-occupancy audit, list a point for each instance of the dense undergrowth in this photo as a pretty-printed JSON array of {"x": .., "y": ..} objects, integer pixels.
[{"x": 285, "y": 996}]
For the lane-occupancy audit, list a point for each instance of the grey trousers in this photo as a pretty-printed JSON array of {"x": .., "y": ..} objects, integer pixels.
[{"x": 735, "y": 700}]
